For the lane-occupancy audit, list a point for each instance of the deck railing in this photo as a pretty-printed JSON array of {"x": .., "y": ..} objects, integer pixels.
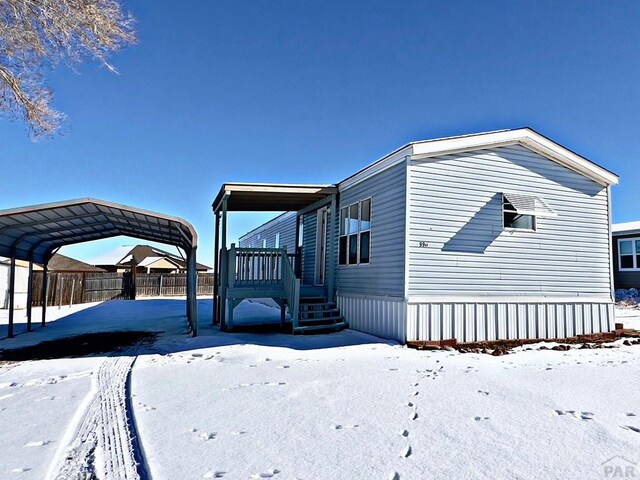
[
  {"x": 264, "y": 268},
  {"x": 292, "y": 291}
]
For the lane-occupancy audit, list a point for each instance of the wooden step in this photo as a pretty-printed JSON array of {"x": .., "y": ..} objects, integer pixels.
[
  {"x": 319, "y": 328},
  {"x": 316, "y": 307},
  {"x": 318, "y": 314},
  {"x": 317, "y": 321}
]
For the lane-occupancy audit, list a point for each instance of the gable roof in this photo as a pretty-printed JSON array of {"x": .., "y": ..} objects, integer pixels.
[
  {"x": 63, "y": 263},
  {"x": 625, "y": 228},
  {"x": 122, "y": 256},
  {"x": 526, "y": 137}
]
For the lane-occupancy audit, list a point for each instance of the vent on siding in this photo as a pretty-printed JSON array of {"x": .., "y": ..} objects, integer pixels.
[{"x": 529, "y": 205}]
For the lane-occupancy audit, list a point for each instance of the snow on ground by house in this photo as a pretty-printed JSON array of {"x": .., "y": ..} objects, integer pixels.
[{"x": 339, "y": 406}]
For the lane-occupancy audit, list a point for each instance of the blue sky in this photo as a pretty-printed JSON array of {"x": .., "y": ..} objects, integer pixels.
[{"x": 309, "y": 92}]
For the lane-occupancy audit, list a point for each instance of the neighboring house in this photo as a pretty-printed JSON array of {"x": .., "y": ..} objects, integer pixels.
[
  {"x": 626, "y": 254},
  {"x": 146, "y": 258},
  {"x": 62, "y": 263},
  {"x": 21, "y": 284},
  {"x": 495, "y": 235}
]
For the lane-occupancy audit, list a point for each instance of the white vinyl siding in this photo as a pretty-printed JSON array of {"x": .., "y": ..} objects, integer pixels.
[
  {"x": 384, "y": 274},
  {"x": 282, "y": 228},
  {"x": 457, "y": 243}
]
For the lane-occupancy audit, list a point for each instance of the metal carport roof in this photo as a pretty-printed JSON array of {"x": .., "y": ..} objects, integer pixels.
[{"x": 33, "y": 233}]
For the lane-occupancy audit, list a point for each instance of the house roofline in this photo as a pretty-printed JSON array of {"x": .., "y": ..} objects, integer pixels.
[{"x": 524, "y": 136}]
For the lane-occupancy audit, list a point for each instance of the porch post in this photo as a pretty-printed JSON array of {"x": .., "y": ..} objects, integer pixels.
[
  {"x": 216, "y": 271},
  {"x": 332, "y": 249},
  {"x": 223, "y": 267},
  {"x": 12, "y": 293},
  {"x": 29, "y": 295},
  {"x": 297, "y": 250}
]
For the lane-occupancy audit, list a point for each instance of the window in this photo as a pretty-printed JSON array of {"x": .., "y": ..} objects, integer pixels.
[
  {"x": 355, "y": 233},
  {"x": 277, "y": 240},
  {"x": 629, "y": 254},
  {"x": 520, "y": 211}
]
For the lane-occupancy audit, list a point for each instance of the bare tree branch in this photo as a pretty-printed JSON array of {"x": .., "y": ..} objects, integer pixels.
[{"x": 36, "y": 35}]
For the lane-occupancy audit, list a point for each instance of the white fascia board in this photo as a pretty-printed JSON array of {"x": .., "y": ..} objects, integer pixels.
[
  {"x": 525, "y": 137},
  {"x": 506, "y": 299},
  {"x": 378, "y": 166}
]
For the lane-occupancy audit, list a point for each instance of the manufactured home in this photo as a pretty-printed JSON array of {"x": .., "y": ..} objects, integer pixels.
[
  {"x": 497, "y": 235},
  {"x": 626, "y": 255}
]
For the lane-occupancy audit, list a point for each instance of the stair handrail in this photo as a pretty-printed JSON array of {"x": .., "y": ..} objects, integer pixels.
[{"x": 291, "y": 287}]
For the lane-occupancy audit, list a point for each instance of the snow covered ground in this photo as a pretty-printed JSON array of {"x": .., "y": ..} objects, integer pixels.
[{"x": 339, "y": 406}]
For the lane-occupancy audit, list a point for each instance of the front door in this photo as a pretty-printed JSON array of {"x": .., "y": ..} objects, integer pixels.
[{"x": 321, "y": 245}]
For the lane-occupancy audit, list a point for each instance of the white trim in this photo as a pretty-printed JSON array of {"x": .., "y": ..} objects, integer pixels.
[
  {"x": 364, "y": 296},
  {"x": 525, "y": 137},
  {"x": 407, "y": 224},
  {"x": 610, "y": 246},
  {"x": 504, "y": 299},
  {"x": 376, "y": 167},
  {"x": 634, "y": 253},
  {"x": 320, "y": 269}
]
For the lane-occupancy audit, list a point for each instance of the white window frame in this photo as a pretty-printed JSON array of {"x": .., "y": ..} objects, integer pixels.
[
  {"x": 357, "y": 233},
  {"x": 634, "y": 253},
  {"x": 516, "y": 229}
]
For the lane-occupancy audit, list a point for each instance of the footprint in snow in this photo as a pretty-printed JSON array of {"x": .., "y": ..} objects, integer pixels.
[
  {"x": 480, "y": 419},
  {"x": 409, "y": 404},
  {"x": 20, "y": 470},
  {"x": 630, "y": 414},
  {"x": 208, "y": 436},
  {"x": 241, "y": 432},
  {"x": 272, "y": 472},
  {"x": 391, "y": 369},
  {"x": 630, "y": 427},
  {"x": 413, "y": 416},
  {"x": 39, "y": 443},
  {"x": 340, "y": 427},
  {"x": 575, "y": 414},
  {"x": 394, "y": 476},
  {"x": 483, "y": 392},
  {"x": 214, "y": 474},
  {"x": 404, "y": 433},
  {"x": 406, "y": 451},
  {"x": 283, "y": 366}
]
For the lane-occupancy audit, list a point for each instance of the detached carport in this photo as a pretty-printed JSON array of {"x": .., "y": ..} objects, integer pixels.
[{"x": 35, "y": 233}]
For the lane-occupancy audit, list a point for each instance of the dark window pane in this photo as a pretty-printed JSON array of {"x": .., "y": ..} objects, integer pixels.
[
  {"x": 626, "y": 247},
  {"x": 353, "y": 218},
  {"x": 353, "y": 249},
  {"x": 626, "y": 261},
  {"x": 513, "y": 220},
  {"x": 343, "y": 221},
  {"x": 638, "y": 246},
  {"x": 365, "y": 214},
  {"x": 365, "y": 240},
  {"x": 342, "y": 256}
]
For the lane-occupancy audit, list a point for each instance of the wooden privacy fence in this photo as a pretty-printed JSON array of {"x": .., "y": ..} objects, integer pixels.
[
  {"x": 69, "y": 288},
  {"x": 165, "y": 285}
]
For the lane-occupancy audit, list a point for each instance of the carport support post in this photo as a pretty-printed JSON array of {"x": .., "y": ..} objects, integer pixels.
[
  {"x": 45, "y": 282},
  {"x": 192, "y": 285},
  {"x": 29, "y": 295},
  {"x": 12, "y": 294}
]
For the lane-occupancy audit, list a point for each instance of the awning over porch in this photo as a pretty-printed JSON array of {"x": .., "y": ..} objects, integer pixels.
[
  {"x": 261, "y": 197},
  {"x": 268, "y": 197}
]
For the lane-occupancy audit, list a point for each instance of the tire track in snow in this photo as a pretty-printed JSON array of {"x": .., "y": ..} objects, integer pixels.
[{"x": 103, "y": 442}]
